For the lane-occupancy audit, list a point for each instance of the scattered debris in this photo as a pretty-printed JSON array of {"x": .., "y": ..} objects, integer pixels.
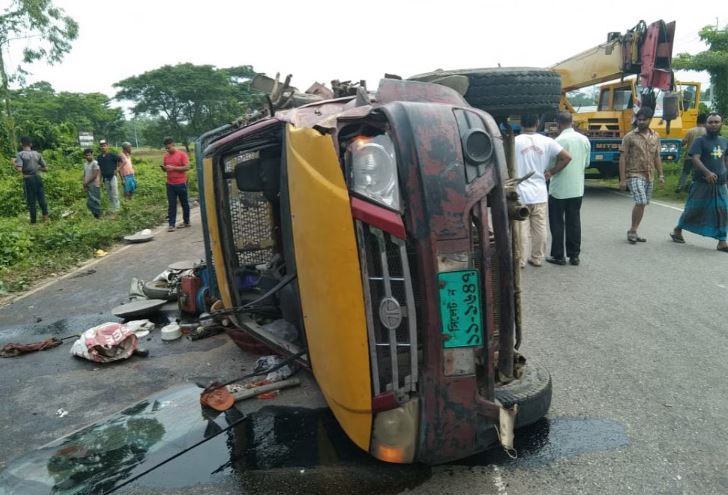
[
  {"x": 203, "y": 332},
  {"x": 136, "y": 289},
  {"x": 84, "y": 273},
  {"x": 141, "y": 236},
  {"x": 105, "y": 343},
  {"x": 171, "y": 332},
  {"x": 279, "y": 369},
  {"x": 217, "y": 397},
  {"x": 183, "y": 265},
  {"x": 139, "y": 307},
  {"x": 266, "y": 388},
  {"x": 141, "y": 328},
  {"x": 100, "y": 253},
  {"x": 13, "y": 350},
  {"x": 61, "y": 412}
]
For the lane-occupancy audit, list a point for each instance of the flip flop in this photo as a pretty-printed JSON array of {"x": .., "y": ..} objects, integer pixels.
[
  {"x": 632, "y": 237},
  {"x": 724, "y": 249},
  {"x": 677, "y": 238}
]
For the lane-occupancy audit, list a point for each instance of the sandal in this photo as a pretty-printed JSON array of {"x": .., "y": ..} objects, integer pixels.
[
  {"x": 724, "y": 249},
  {"x": 631, "y": 237},
  {"x": 677, "y": 238}
]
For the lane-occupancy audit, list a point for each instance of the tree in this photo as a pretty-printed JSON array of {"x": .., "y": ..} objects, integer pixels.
[
  {"x": 190, "y": 99},
  {"x": 40, "y": 112},
  {"x": 48, "y": 34},
  {"x": 714, "y": 60}
]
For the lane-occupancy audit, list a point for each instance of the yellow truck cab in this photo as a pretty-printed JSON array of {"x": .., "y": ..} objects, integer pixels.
[
  {"x": 374, "y": 229},
  {"x": 614, "y": 117}
]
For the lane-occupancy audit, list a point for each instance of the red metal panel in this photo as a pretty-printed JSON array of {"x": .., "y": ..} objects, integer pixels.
[{"x": 379, "y": 217}]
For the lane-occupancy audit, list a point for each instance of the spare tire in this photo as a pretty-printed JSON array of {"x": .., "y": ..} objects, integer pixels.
[
  {"x": 532, "y": 393},
  {"x": 159, "y": 289},
  {"x": 504, "y": 91}
]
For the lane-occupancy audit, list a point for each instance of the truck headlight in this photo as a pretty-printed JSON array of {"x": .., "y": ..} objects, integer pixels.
[
  {"x": 374, "y": 170},
  {"x": 668, "y": 148}
]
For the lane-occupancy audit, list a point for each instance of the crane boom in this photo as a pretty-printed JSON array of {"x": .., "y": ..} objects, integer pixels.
[{"x": 643, "y": 50}]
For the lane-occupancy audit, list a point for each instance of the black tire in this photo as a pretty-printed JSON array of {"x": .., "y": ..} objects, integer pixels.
[
  {"x": 505, "y": 91},
  {"x": 532, "y": 393},
  {"x": 158, "y": 289}
]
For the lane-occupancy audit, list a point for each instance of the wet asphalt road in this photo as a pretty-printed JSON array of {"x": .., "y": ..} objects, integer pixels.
[{"x": 634, "y": 339}]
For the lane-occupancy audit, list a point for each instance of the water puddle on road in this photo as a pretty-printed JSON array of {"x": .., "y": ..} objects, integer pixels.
[
  {"x": 168, "y": 443},
  {"x": 274, "y": 449},
  {"x": 552, "y": 439}
]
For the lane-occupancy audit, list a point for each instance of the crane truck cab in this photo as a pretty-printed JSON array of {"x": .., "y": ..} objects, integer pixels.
[{"x": 613, "y": 117}]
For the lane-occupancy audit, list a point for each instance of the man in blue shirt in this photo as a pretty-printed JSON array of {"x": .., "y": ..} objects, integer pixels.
[
  {"x": 706, "y": 209},
  {"x": 109, "y": 164}
]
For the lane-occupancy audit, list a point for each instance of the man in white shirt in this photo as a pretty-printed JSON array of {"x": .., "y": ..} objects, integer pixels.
[{"x": 533, "y": 153}]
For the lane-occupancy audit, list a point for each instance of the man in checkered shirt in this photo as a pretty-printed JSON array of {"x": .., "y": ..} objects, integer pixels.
[{"x": 640, "y": 156}]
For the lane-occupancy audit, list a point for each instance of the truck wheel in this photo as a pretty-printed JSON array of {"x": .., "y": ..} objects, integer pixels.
[
  {"x": 532, "y": 393},
  {"x": 505, "y": 91},
  {"x": 158, "y": 289}
]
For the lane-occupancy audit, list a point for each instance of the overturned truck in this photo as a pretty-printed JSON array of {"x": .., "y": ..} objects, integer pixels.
[{"x": 368, "y": 236}]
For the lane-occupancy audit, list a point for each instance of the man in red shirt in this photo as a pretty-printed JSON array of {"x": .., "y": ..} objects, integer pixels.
[{"x": 176, "y": 164}]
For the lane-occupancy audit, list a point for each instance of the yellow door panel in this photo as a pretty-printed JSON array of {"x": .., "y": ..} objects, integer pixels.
[
  {"x": 213, "y": 228},
  {"x": 329, "y": 279}
]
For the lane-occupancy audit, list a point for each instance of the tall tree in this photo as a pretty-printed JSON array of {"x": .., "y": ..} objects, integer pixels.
[
  {"x": 189, "y": 98},
  {"x": 39, "y": 110},
  {"x": 714, "y": 60},
  {"x": 47, "y": 32}
]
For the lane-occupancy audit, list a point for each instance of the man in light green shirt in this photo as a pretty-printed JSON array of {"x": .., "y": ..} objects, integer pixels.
[{"x": 566, "y": 189}]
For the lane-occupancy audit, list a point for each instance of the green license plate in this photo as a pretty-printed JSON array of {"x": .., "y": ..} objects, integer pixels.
[{"x": 462, "y": 324}]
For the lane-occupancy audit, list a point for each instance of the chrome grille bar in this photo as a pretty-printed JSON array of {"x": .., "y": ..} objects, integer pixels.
[
  {"x": 374, "y": 362},
  {"x": 386, "y": 279},
  {"x": 388, "y": 293}
]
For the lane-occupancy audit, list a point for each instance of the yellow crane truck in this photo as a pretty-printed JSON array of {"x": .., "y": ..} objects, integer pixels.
[{"x": 638, "y": 64}]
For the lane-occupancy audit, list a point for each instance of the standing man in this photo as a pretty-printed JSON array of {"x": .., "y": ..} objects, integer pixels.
[
  {"x": 29, "y": 163},
  {"x": 706, "y": 210},
  {"x": 126, "y": 171},
  {"x": 176, "y": 164},
  {"x": 687, "y": 142},
  {"x": 640, "y": 154},
  {"x": 109, "y": 164},
  {"x": 533, "y": 153},
  {"x": 92, "y": 183},
  {"x": 566, "y": 190}
]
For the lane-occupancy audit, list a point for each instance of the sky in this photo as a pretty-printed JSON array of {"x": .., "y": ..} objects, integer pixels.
[{"x": 346, "y": 40}]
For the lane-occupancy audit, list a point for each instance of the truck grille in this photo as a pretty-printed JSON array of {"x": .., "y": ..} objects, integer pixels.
[
  {"x": 390, "y": 309},
  {"x": 251, "y": 217}
]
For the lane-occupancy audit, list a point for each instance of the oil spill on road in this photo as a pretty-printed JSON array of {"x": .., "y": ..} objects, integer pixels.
[
  {"x": 273, "y": 449},
  {"x": 552, "y": 439}
]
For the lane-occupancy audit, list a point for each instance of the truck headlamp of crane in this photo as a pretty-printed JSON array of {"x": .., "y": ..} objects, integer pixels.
[
  {"x": 374, "y": 170},
  {"x": 668, "y": 148}
]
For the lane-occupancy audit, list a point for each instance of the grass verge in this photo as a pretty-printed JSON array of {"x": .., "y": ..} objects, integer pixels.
[{"x": 29, "y": 253}]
